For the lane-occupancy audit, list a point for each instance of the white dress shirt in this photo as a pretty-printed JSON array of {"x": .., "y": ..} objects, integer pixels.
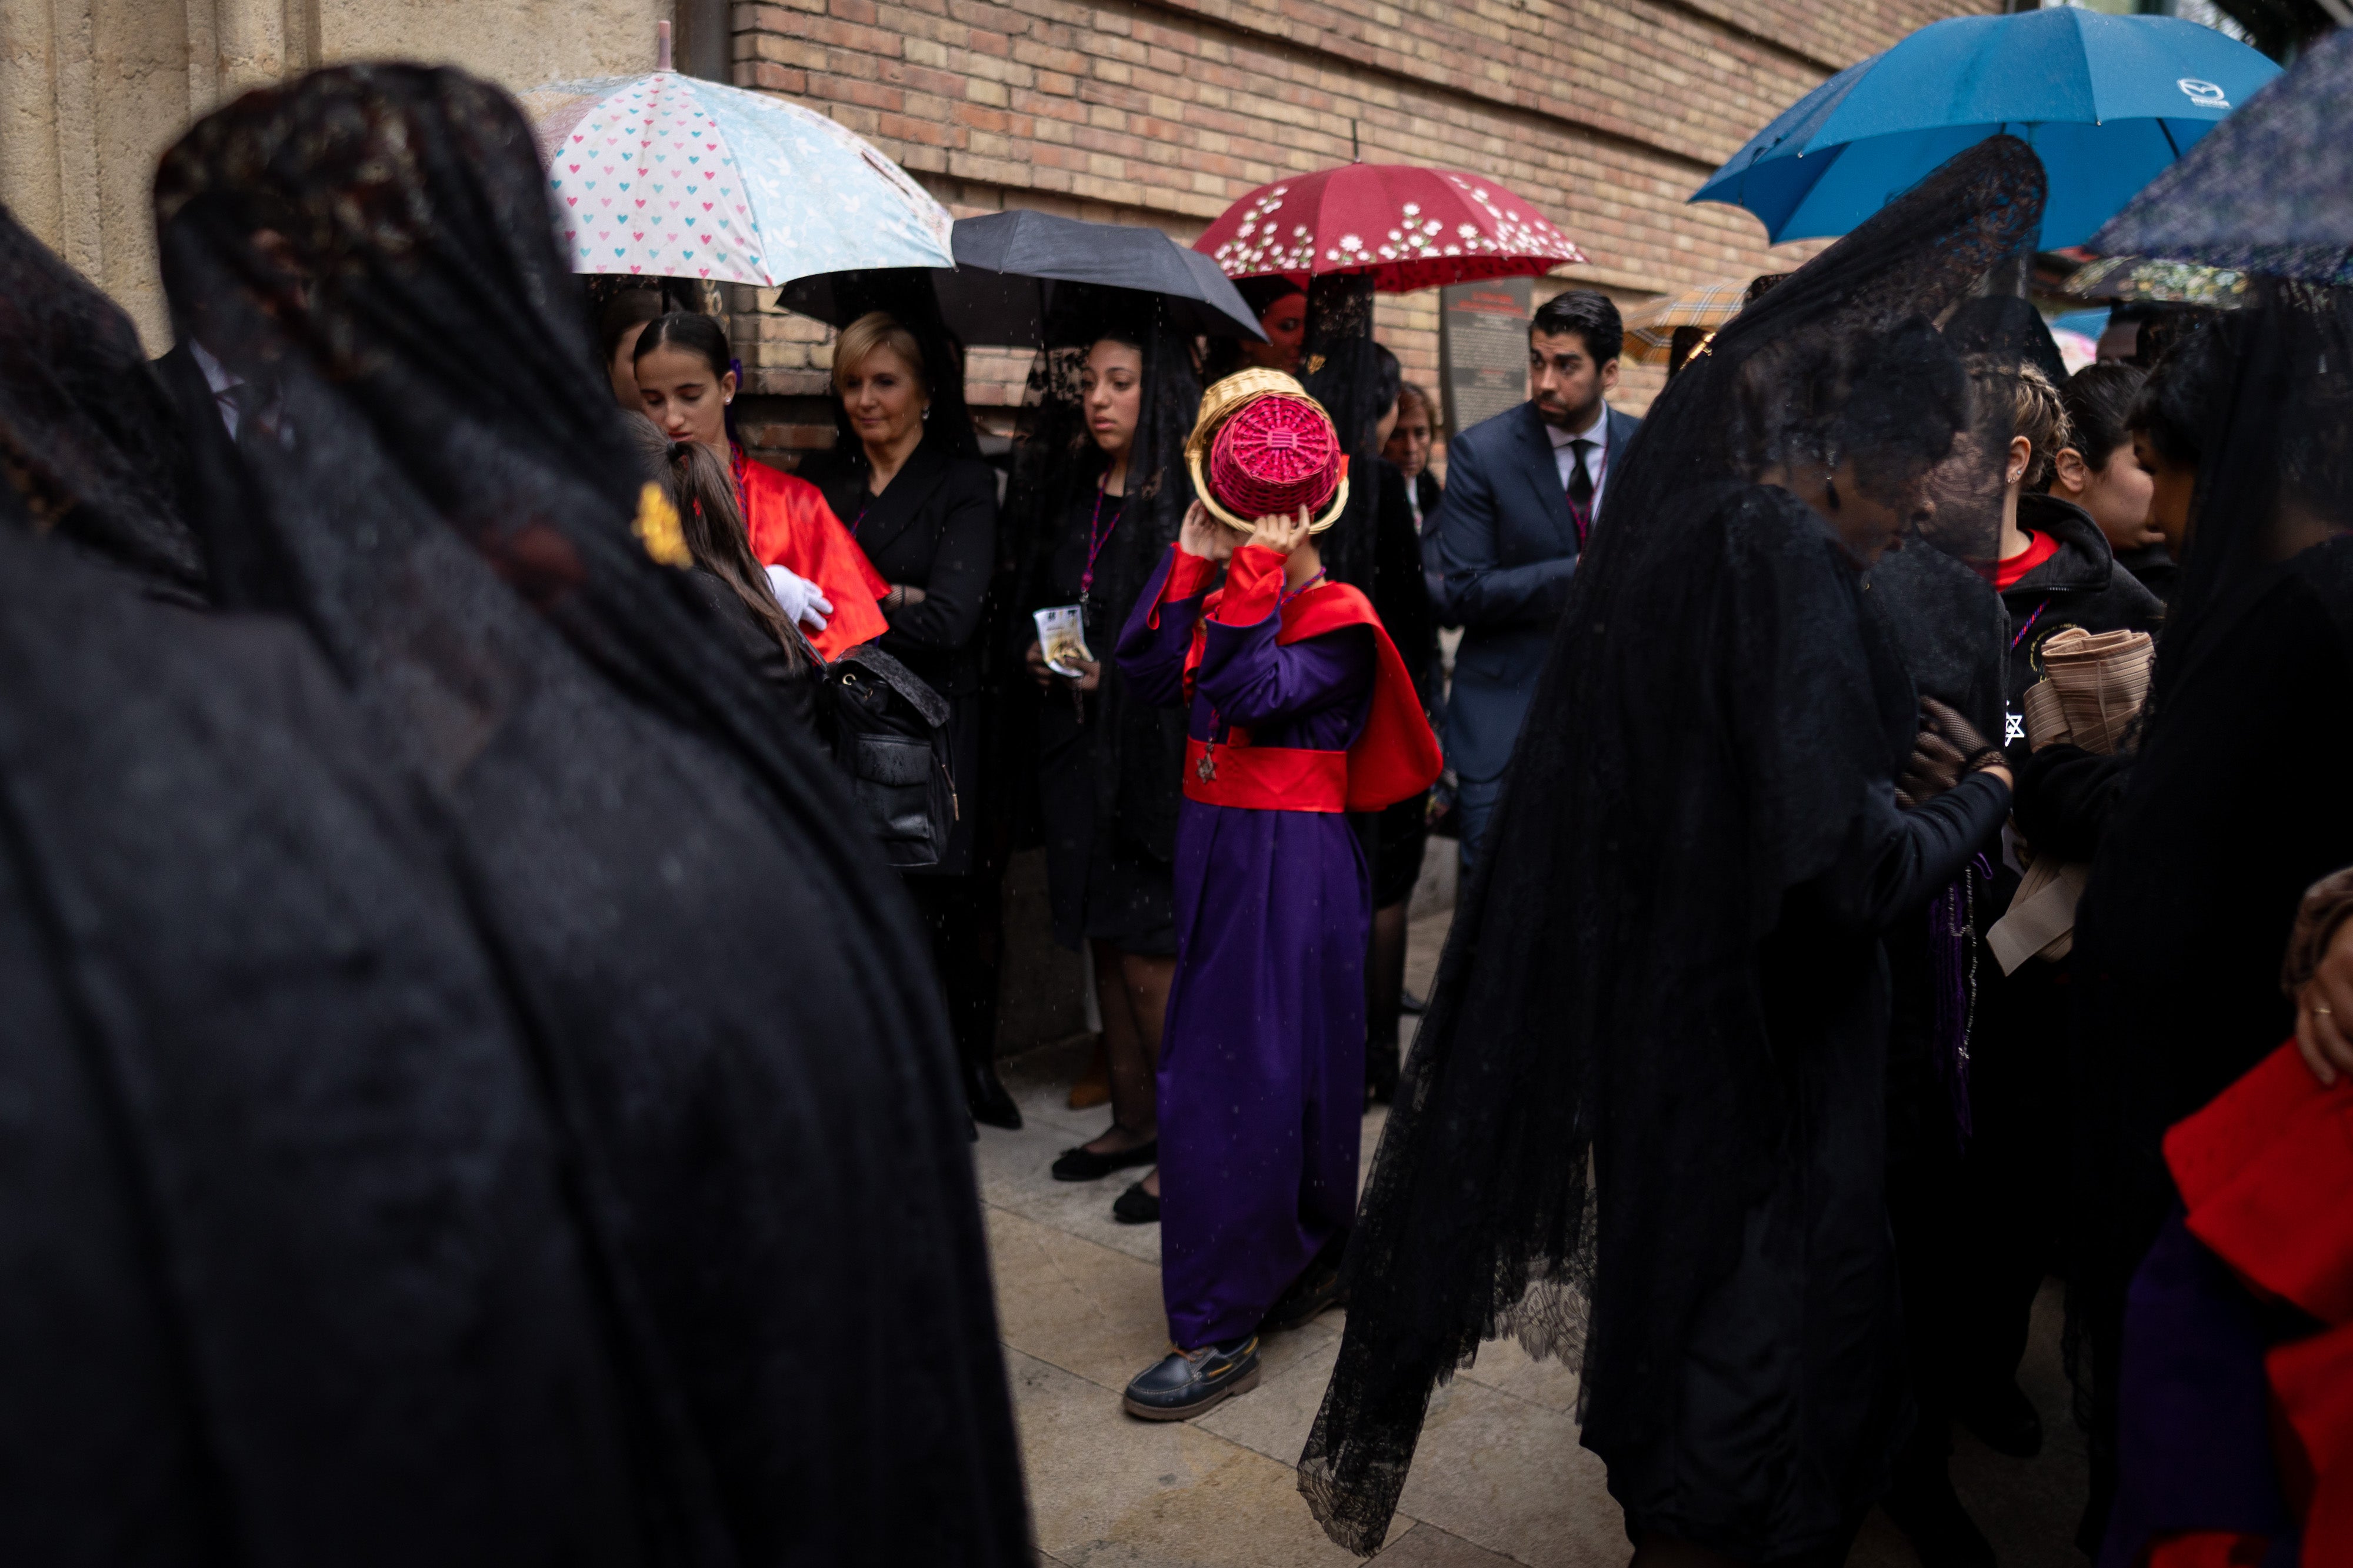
[
  {"x": 1597, "y": 459},
  {"x": 223, "y": 383}
]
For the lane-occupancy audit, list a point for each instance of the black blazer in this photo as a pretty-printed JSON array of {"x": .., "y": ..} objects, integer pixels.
[
  {"x": 1502, "y": 546},
  {"x": 934, "y": 528}
]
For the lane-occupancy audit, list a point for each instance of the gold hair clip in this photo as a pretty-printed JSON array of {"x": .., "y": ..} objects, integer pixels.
[{"x": 656, "y": 526}]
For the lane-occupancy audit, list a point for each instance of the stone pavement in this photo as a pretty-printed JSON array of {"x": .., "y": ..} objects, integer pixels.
[{"x": 1499, "y": 1478}]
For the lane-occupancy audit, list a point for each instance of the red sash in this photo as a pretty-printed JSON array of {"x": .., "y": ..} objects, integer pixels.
[
  {"x": 793, "y": 527},
  {"x": 1395, "y": 756}
]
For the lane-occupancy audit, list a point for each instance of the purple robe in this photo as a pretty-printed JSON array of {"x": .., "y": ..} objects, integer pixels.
[{"x": 1262, "y": 1061}]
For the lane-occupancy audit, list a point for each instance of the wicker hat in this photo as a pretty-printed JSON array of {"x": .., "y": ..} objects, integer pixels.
[{"x": 1263, "y": 447}]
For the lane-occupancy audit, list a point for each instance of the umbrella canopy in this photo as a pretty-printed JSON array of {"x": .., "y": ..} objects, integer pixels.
[
  {"x": 1409, "y": 228},
  {"x": 1650, "y": 329},
  {"x": 2138, "y": 278},
  {"x": 2106, "y": 102},
  {"x": 2268, "y": 192},
  {"x": 1010, "y": 268},
  {"x": 671, "y": 175}
]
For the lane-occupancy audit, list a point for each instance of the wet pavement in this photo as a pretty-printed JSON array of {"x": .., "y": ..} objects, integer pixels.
[{"x": 1498, "y": 1478}]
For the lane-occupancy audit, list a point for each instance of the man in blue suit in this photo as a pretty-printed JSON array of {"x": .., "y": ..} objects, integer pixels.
[{"x": 1523, "y": 492}]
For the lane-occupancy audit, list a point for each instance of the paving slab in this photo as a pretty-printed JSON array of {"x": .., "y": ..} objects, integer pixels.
[
  {"x": 1427, "y": 1546},
  {"x": 1149, "y": 1494},
  {"x": 1499, "y": 1478}
]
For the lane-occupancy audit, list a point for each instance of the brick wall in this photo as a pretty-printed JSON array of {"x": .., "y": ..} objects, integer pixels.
[{"x": 1162, "y": 111}]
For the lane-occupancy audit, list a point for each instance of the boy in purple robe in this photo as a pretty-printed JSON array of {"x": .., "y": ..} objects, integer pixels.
[{"x": 1301, "y": 711}]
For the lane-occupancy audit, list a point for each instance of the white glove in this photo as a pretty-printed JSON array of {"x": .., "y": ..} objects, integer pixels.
[{"x": 804, "y": 603}]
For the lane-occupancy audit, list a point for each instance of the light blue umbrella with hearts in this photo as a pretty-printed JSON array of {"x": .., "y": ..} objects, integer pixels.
[{"x": 670, "y": 175}]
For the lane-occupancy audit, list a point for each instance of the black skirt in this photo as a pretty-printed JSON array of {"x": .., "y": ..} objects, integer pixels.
[{"x": 1102, "y": 884}]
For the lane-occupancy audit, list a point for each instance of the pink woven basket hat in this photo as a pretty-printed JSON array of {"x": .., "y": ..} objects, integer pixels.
[
  {"x": 1275, "y": 456},
  {"x": 1263, "y": 447}
]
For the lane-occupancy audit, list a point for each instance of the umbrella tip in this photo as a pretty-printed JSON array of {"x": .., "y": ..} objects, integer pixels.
[{"x": 661, "y": 46}]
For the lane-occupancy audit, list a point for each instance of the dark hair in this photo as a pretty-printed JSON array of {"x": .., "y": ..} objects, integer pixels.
[
  {"x": 703, "y": 493},
  {"x": 1388, "y": 379},
  {"x": 629, "y": 308},
  {"x": 1409, "y": 393},
  {"x": 1591, "y": 316},
  {"x": 2099, "y": 399},
  {"x": 694, "y": 334},
  {"x": 1890, "y": 401},
  {"x": 1262, "y": 294},
  {"x": 2172, "y": 405}
]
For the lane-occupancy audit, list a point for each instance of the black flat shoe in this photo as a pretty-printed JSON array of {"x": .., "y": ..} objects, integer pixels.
[
  {"x": 1410, "y": 1002},
  {"x": 1939, "y": 1529},
  {"x": 1315, "y": 1293},
  {"x": 1185, "y": 1382},
  {"x": 1381, "y": 1072},
  {"x": 1078, "y": 1165},
  {"x": 986, "y": 1097},
  {"x": 1136, "y": 1206},
  {"x": 2004, "y": 1420}
]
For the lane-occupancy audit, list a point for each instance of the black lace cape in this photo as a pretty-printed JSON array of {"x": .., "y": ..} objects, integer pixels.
[
  {"x": 730, "y": 992},
  {"x": 1698, "y": 746}
]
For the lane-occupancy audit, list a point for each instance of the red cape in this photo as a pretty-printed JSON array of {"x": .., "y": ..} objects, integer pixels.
[
  {"x": 1395, "y": 756},
  {"x": 2267, "y": 1171},
  {"x": 793, "y": 527}
]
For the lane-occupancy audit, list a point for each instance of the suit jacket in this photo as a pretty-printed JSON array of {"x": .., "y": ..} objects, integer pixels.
[{"x": 1502, "y": 547}]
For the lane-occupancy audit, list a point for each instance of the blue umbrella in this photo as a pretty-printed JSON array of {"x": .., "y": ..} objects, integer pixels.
[
  {"x": 2273, "y": 193},
  {"x": 2106, "y": 102}
]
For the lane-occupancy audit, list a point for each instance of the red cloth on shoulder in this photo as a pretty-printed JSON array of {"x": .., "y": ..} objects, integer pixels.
[
  {"x": 793, "y": 527},
  {"x": 2266, "y": 1170},
  {"x": 1395, "y": 755},
  {"x": 2039, "y": 547}
]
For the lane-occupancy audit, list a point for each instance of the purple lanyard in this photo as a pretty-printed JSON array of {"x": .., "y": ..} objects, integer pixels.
[
  {"x": 1097, "y": 537},
  {"x": 2030, "y": 625},
  {"x": 1283, "y": 600}
]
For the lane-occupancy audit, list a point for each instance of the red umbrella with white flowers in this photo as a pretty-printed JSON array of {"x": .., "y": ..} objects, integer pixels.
[{"x": 1411, "y": 228}]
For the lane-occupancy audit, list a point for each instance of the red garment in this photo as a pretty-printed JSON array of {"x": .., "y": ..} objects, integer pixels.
[
  {"x": 1394, "y": 756},
  {"x": 2039, "y": 547},
  {"x": 793, "y": 527},
  {"x": 2208, "y": 1548},
  {"x": 2266, "y": 1170}
]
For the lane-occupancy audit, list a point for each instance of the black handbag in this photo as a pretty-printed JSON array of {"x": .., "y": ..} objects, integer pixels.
[{"x": 890, "y": 738}]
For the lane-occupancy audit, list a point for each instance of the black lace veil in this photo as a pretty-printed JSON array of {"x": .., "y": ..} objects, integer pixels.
[
  {"x": 1339, "y": 369},
  {"x": 725, "y": 991},
  {"x": 87, "y": 437},
  {"x": 2271, "y": 387},
  {"x": 297, "y": 1273},
  {"x": 1594, "y": 1032}
]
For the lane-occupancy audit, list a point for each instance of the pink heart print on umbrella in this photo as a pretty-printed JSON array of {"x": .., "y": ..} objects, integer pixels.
[{"x": 723, "y": 183}]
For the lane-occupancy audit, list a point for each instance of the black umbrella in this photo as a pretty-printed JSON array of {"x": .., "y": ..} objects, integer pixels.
[
  {"x": 2265, "y": 191},
  {"x": 1012, "y": 265}
]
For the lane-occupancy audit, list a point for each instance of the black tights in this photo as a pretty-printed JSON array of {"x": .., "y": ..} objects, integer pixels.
[{"x": 965, "y": 916}]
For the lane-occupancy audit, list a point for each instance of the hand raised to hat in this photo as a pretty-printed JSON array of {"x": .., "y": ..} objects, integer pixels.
[
  {"x": 1281, "y": 532},
  {"x": 1204, "y": 535}
]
